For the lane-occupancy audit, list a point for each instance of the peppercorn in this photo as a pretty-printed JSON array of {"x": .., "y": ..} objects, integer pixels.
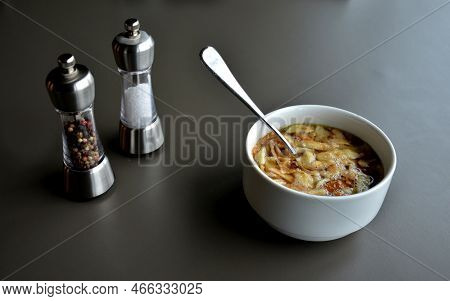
[{"x": 81, "y": 140}]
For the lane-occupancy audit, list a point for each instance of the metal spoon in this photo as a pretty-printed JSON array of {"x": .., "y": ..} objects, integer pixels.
[{"x": 212, "y": 59}]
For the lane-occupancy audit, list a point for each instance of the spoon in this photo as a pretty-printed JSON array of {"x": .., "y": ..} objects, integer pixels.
[{"x": 212, "y": 59}]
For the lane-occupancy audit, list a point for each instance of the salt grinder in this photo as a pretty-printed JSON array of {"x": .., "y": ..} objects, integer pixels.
[
  {"x": 87, "y": 171},
  {"x": 140, "y": 130}
]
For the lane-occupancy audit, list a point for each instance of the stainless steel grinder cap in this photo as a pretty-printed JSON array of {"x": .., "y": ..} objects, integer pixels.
[
  {"x": 70, "y": 85},
  {"x": 133, "y": 49}
]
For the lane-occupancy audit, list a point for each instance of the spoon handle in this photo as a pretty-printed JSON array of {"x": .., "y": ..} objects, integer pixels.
[{"x": 212, "y": 59}]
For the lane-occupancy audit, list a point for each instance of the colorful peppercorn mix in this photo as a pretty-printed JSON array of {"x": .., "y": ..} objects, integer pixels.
[{"x": 82, "y": 145}]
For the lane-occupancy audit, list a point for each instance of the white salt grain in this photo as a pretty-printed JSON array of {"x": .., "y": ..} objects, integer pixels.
[{"x": 138, "y": 107}]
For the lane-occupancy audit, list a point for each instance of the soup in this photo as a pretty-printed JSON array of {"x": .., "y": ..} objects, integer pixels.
[{"x": 329, "y": 161}]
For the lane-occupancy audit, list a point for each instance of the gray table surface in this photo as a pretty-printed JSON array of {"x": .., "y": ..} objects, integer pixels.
[{"x": 387, "y": 60}]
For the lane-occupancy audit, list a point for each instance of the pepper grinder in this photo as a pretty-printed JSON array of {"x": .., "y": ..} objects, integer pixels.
[
  {"x": 87, "y": 171},
  {"x": 140, "y": 130}
]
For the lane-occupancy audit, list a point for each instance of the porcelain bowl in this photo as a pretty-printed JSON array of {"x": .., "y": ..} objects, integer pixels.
[{"x": 311, "y": 217}]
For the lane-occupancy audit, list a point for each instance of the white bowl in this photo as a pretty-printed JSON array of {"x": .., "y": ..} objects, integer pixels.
[{"x": 312, "y": 217}]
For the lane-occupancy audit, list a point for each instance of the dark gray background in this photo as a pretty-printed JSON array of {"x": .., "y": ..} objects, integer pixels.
[{"x": 387, "y": 60}]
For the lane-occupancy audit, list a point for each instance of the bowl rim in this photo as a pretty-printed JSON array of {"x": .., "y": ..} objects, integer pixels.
[{"x": 387, "y": 177}]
